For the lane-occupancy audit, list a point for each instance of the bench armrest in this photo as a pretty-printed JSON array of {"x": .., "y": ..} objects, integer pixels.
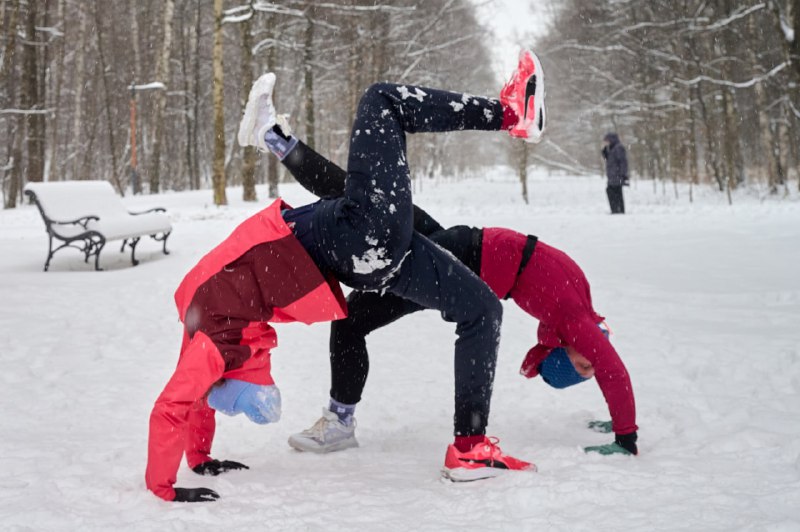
[
  {"x": 154, "y": 209},
  {"x": 80, "y": 221}
]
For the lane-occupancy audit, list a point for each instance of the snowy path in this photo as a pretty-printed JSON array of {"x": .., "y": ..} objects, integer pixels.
[{"x": 704, "y": 301}]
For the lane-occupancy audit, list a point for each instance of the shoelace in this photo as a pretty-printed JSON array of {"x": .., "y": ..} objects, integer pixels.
[
  {"x": 317, "y": 431},
  {"x": 492, "y": 446}
]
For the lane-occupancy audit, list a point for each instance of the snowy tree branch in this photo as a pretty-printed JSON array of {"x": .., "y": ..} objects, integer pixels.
[
  {"x": 26, "y": 111},
  {"x": 738, "y": 85}
]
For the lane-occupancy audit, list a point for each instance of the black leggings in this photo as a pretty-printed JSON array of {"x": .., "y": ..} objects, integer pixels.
[{"x": 376, "y": 213}]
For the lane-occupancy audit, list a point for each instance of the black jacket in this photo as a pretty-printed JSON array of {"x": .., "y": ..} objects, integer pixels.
[{"x": 616, "y": 161}]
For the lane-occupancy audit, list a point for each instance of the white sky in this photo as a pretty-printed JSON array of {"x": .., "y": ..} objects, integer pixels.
[{"x": 514, "y": 24}]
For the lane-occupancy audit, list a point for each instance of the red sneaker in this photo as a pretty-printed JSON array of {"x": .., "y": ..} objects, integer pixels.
[
  {"x": 485, "y": 460},
  {"x": 524, "y": 94}
]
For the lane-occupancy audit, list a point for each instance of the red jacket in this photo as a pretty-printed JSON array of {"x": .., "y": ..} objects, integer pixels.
[
  {"x": 553, "y": 289},
  {"x": 181, "y": 420}
]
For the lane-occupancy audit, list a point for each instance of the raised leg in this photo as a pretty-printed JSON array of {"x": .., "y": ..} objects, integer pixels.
[
  {"x": 365, "y": 235},
  {"x": 378, "y": 177}
]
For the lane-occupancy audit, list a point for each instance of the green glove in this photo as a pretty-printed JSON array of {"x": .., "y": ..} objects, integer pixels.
[
  {"x": 610, "y": 448},
  {"x": 600, "y": 426}
]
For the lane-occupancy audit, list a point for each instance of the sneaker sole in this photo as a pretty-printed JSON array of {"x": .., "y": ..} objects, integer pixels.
[
  {"x": 462, "y": 474},
  {"x": 532, "y": 134},
  {"x": 263, "y": 85},
  {"x": 310, "y": 446}
]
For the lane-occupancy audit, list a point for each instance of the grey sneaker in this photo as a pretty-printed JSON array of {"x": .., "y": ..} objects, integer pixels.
[
  {"x": 327, "y": 435},
  {"x": 259, "y": 113}
]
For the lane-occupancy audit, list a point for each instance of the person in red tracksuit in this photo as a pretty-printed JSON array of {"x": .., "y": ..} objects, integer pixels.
[
  {"x": 573, "y": 344},
  {"x": 259, "y": 274}
]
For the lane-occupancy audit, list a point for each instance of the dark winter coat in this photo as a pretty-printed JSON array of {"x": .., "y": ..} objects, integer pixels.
[{"x": 616, "y": 161}]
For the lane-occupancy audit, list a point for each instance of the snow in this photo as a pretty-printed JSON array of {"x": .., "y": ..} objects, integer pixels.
[
  {"x": 371, "y": 261},
  {"x": 703, "y": 299},
  {"x": 418, "y": 94},
  {"x": 148, "y": 86},
  {"x": 788, "y": 31},
  {"x": 457, "y": 106}
]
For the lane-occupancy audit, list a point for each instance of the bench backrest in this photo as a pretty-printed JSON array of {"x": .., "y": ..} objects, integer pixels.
[{"x": 68, "y": 200}]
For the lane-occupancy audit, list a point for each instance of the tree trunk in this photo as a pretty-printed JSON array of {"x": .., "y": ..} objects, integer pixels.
[
  {"x": 80, "y": 75},
  {"x": 11, "y": 41},
  {"x": 16, "y": 171},
  {"x": 186, "y": 54},
  {"x": 308, "y": 56},
  {"x": 34, "y": 134},
  {"x": 219, "y": 108},
  {"x": 136, "y": 182},
  {"x": 57, "y": 96},
  {"x": 105, "y": 72},
  {"x": 273, "y": 176},
  {"x": 195, "y": 140},
  {"x": 250, "y": 155},
  {"x": 162, "y": 75}
]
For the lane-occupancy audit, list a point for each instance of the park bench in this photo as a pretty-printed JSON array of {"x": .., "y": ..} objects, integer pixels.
[{"x": 86, "y": 214}]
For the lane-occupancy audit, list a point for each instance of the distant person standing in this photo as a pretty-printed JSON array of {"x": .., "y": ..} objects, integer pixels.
[{"x": 616, "y": 171}]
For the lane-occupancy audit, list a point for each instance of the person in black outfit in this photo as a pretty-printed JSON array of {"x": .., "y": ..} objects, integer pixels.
[{"x": 616, "y": 171}]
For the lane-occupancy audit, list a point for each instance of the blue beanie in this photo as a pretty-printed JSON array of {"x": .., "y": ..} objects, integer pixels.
[
  {"x": 261, "y": 404},
  {"x": 557, "y": 370}
]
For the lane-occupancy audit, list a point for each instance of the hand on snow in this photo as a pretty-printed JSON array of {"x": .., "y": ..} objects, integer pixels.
[
  {"x": 623, "y": 444},
  {"x": 195, "y": 495},
  {"x": 600, "y": 426},
  {"x": 215, "y": 467},
  {"x": 609, "y": 448}
]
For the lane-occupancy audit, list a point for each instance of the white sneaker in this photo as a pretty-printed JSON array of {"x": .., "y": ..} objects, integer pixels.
[
  {"x": 259, "y": 113},
  {"x": 326, "y": 436}
]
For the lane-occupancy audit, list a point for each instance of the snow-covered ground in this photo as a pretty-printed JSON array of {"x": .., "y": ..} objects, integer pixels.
[{"x": 704, "y": 300}]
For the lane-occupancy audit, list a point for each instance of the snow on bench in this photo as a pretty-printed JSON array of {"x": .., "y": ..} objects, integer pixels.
[{"x": 86, "y": 214}]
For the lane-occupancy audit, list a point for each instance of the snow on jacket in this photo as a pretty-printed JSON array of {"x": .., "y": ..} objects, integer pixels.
[
  {"x": 181, "y": 420},
  {"x": 553, "y": 289},
  {"x": 616, "y": 161}
]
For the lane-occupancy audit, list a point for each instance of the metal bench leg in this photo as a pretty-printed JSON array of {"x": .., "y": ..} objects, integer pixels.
[
  {"x": 166, "y": 236},
  {"x": 123, "y": 245},
  {"x": 49, "y": 253},
  {"x": 99, "y": 246},
  {"x": 163, "y": 238},
  {"x": 132, "y": 244}
]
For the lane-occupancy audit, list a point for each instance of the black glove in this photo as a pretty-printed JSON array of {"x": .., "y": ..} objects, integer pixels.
[
  {"x": 195, "y": 495},
  {"x": 627, "y": 442},
  {"x": 215, "y": 467}
]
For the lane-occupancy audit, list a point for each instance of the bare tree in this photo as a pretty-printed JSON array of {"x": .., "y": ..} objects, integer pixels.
[
  {"x": 162, "y": 75},
  {"x": 250, "y": 155},
  {"x": 220, "y": 197}
]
